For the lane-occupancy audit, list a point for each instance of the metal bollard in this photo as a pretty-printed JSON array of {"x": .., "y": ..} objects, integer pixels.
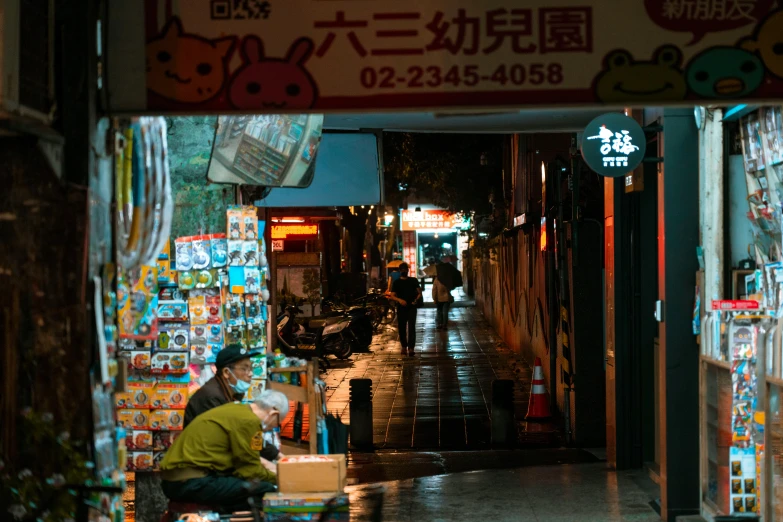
[
  {"x": 504, "y": 428},
  {"x": 361, "y": 414}
]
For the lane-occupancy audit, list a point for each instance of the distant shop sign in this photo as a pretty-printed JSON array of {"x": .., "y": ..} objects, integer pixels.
[
  {"x": 294, "y": 232},
  {"x": 317, "y": 56},
  {"x": 429, "y": 219},
  {"x": 278, "y": 245},
  {"x": 613, "y": 145}
]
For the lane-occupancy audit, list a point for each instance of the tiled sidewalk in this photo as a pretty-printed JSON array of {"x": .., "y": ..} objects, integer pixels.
[{"x": 441, "y": 398}]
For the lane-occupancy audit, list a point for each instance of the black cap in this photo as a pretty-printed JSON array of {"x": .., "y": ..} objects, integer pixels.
[{"x": 233, "y": 353}]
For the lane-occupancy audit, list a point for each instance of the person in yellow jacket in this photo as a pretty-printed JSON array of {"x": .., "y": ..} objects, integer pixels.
[{"x": 215, "y": 460}]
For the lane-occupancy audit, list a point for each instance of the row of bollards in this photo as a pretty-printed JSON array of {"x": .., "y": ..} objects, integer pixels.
[{"x": 504, "y": 429}]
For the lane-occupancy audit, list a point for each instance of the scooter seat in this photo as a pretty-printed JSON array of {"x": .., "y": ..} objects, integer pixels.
[{"x": 317, "y": 323}]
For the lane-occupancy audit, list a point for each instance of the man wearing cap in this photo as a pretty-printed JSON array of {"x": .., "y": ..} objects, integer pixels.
[
  {"x": 230, "y": 384},
  {"x": 214, "y": 461},
  {"x": 234, "y": 371}
]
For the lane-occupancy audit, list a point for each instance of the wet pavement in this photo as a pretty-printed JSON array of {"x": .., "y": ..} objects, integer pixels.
[
  {"x": 440, "y": 399},
  {"x": 584, "y": 492}
]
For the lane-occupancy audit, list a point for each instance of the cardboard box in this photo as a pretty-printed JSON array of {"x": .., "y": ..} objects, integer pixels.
[
  {"x": 139, "y": 461},
  {"x": 167, "y": 419},
  {"x": 123, "y": 400},
  {"x": 141, "y": 394},
  {"x": 139, "y": 440},
  {"x": 312, "y": 474},
  {"x": 134, "y": 419}
]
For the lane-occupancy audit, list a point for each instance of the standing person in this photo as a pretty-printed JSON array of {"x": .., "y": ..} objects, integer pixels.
[
  {"x": 442, "y": 297},
  {"x": 407, "y": 292},
  {"x": 447, "y": 279},
  {"x": 215, "y": 459}
]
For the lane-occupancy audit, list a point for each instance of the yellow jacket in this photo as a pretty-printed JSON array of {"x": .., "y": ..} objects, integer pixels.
[{"x": 224, "y": 440}]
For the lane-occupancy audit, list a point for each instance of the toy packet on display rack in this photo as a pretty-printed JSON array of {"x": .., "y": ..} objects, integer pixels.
[
  {"x": 743, "y": 487},
  {"x": 173, "y": 336},
  {"x": 170, "y": 395},
  {"x": 169, "y": 361},
  {"x": 137, "y": 303},
  {"x": 167, "y": 419}
]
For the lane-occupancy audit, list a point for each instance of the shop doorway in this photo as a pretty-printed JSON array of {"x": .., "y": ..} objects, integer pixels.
[
  {"x": 433, "y": 247},
  {"x": 632, "y": 370}
]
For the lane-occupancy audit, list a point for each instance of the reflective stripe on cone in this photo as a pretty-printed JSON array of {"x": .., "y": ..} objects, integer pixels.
[{"x": 538, "y": 407}]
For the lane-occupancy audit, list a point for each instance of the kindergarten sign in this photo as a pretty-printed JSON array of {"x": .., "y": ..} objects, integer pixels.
[{"x": 298, "y": 56}]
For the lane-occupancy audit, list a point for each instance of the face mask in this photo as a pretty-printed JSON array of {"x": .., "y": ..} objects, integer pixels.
[{"x": 241, "y": 386}]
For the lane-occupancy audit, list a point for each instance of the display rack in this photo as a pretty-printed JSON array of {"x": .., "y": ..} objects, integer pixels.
[
  {"x": 257, "y": 159},
  {"x": 306, "y": 394},
  {"x": 740, "y": 374}
]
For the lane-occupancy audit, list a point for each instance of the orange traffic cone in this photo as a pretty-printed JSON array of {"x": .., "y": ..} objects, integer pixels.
[{"x": 538, "y": 407}]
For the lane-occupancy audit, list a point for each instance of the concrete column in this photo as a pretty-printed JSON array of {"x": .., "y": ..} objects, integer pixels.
[
  {"x": 711, "y": 204},
  {"x": 678, "y": 237}
]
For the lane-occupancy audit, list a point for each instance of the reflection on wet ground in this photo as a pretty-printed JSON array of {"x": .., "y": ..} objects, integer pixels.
[
  {"x": 583, "y": 492},
  {"x": 441, "y": 398}
]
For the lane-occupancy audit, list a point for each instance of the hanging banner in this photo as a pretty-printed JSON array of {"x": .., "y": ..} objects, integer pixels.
[
  {"x": 275, "y": 56},
  {"x": 409, "y": 248}
]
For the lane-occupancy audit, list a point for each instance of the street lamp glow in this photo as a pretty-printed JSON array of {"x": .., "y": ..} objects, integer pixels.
[{"x": 543, "y": 173}]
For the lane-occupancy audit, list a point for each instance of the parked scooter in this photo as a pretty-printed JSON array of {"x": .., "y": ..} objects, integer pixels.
[
  {"x": 329, "y": 336},
  {"x": 361, "y": 322}
]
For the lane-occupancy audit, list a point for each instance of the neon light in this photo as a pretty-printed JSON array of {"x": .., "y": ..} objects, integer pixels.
[{"x": 283, "y": 231}]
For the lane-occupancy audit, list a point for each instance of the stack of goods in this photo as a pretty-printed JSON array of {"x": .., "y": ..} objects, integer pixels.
[
  {"x": 309, "y": 485},
  {"x": 747, "y": 448},
  {"x": 248, "y": 294}
]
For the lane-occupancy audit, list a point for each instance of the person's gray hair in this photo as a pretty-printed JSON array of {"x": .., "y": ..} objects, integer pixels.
[{"x": 273, "y": 400}]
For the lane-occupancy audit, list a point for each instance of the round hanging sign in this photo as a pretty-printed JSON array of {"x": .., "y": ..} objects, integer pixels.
[{"x": 613, "y": 145}]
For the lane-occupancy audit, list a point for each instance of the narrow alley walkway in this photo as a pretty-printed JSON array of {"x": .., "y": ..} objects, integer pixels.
[{"x": 441, "y": 398}]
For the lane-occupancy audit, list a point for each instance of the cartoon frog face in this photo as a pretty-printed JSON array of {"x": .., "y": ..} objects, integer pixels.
[
  {"x": 768, "y": 43},
  {"x": 627, "y": 80},
  {"x": 724, "y": 72}
]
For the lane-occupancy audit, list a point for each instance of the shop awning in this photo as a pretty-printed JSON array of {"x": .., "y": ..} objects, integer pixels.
[{"x": 347, "y": 173}]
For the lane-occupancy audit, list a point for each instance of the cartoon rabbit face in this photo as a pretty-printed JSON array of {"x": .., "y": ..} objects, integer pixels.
[{"x": 273, "y": 83}]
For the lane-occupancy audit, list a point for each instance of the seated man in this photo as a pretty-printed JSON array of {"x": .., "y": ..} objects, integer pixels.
[
  {"x": 230, "y": 383},
  {"x": 215, "y": 460}
]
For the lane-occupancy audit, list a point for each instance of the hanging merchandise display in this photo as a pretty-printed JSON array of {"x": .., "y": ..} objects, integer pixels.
[
  {"x": 742, "y": 347},
  {"x": 143, "y": 191},
  {"x": 206, "y": 293}
]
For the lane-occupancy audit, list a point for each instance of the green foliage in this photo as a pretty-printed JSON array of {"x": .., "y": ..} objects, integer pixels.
[
  {"x": 40, "y": 492},
  {"x": 446, "y": 169}
]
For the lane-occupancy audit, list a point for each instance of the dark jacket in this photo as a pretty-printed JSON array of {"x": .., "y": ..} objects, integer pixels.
[
  {"x": 209, "y": 396},
  {"x": 212, "y": 395}
]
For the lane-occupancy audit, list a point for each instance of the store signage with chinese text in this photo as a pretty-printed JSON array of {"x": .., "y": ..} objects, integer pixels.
[
  {"x": 294, "y": 232},
  {"x": 409, "y": 250},
  {"x": 735, "y": 305},
  {"x": 429, "y": 219},
  {"x": 321, "y": 56},
  {"x": 613, "y": 145}
]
